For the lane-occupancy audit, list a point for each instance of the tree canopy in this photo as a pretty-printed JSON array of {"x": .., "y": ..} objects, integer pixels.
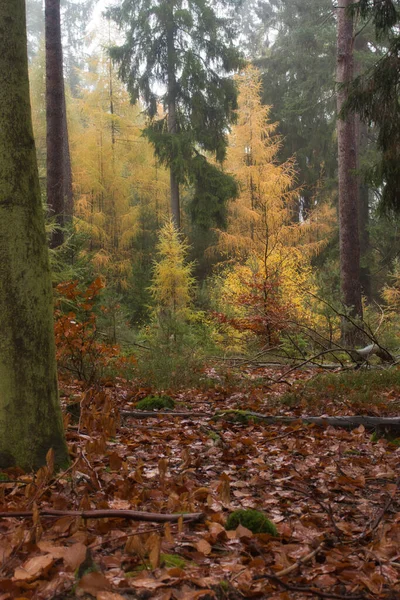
[{"x": 177, "y": 57}]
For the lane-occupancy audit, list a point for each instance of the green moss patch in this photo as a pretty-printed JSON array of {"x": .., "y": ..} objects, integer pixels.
[
  {"x": 172, "y": 561},
  {"x": 254, "y": 520},
  {"x": 156, "y": 403},
  {"x": 241, "y": 417}
]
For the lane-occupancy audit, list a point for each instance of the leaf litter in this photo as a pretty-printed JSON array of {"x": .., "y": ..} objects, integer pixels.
[{"x": 332, "y": 494}]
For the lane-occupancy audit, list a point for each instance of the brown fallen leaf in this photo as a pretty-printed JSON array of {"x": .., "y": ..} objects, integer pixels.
[
  {"x": 204, "y": 547},
  {"x": 243, "y": 532},
  {"x": 109, "y": 596},
  {"x": 93, "y": 583},
  {"x": 55, "y": 551},
  {"x": 34, "y": 568},
  {"x": 75, "y": 555},
  {"x": 154, "y": 544}
]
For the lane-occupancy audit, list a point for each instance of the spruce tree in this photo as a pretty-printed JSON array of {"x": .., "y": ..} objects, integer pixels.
[
  {"x": 298, "y": 71},
  {"x": 180, "y": 54},
  {"x": 374, "y": 95}
]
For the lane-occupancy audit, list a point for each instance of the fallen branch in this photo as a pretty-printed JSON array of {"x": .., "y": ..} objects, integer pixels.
[
  {"x": 383, "y": 424},
  {"x": 108, "y": 514},
  {"x": 144, "y": 414},
  {"x": 350, "y": 422},
  {"x": 310, "y": 591}
]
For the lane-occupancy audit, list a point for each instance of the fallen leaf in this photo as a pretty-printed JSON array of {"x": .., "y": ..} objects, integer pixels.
[
  {"x": 109, "y": 596},
  {"x": 75, "y": 555},
  {"x": 93, "y": 583},
  {"x": 34, "y": 568},
  {"x": 204, "y": 547}
]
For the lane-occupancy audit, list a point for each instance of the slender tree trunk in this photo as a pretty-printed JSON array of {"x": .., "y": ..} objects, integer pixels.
[
  {"x": 348, "y": 181},
  {"x": 68, "y": 191},
  {"x": 361, "y": 46},
  {"x": 363, "y": 196},
  {"x": 172, "y": 124},
  {"x": 55, "y": 101},
  {"x": 30, "y": 413}
]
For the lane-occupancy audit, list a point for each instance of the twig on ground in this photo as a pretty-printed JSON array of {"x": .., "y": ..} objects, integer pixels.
[
  {"x": 301, "y": 561},
  {"x": 375, "y": 523}
]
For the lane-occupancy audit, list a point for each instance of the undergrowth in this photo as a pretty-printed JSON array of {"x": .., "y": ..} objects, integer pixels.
[{"x": 354, "y": 387}]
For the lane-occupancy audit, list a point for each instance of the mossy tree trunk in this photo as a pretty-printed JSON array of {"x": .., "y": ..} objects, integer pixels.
[{"x": 30, "y": 414}]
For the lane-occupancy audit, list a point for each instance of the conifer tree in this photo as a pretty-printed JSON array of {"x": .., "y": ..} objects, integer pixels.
[
  {"x": 374, "y": 95},
  {"x": 178, "y": 53},
  {"x": 30, "y": 413}
]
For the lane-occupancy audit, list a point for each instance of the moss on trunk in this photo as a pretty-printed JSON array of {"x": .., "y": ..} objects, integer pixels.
[{"x": 30, "y": 414}]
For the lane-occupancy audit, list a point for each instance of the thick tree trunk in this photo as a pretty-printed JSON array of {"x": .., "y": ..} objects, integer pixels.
[
  {"x": 172, "y": 125},
  {"x": 55, "y": 102},
  {"x": 348, "y": 181},
  {"x": 30, "y": 414}
]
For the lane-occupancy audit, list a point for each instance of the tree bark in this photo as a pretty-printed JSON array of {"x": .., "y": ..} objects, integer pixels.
[
  {"x": 172, "y": 124},
  {"x": 363, "y": 197},
  {"x": 55, "y": 102},
  {"x": 348, "y": 182},
  {"x": 361, "y": 47},
  {"x": 30, "y": 413},
  {"x": 68, "y": 191}
]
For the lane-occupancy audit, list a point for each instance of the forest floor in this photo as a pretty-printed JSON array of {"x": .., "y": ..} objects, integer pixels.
[{"x": 333, "y": 495}]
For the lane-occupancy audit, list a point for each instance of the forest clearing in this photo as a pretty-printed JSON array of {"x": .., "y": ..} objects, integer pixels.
[{"x": 199, "y": 299}]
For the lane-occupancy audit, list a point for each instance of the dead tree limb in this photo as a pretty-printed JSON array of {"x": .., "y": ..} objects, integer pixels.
[{"x": 108, "y": 514}]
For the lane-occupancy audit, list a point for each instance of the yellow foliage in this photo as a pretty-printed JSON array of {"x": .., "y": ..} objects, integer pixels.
[
  {"x": 172, "y": 280},
  {"x": 264, "y": 237},
  {"x": 114, "y": 170}
]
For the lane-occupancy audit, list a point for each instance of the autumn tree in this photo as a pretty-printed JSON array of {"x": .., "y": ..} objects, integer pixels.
[
  {"x": 272, "y": 253},
  {"x": 121, "y": 191},
  {"x": 30, "y": 414},
  {"x": 179, "y": 54}
]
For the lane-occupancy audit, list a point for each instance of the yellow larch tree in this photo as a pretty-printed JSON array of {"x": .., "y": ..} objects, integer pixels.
[
  {"x": 115, "y": 171},
  {"x": 269, "y": 248}
]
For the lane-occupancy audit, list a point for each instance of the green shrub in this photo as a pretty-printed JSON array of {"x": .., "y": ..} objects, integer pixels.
[
  {"x": 156, "y": 403},
  {"x": 254, "y": 520}
]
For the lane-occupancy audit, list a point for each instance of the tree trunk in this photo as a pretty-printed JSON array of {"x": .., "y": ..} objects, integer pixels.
[
  {"x": 361, "y": 47},
  {"x": 55, "y": 102},
  {"x": 348, "y": 182},
  {"x": 363, "y": 197},
  {"x": 30, "y": 414},
  {"x": 68, "y": 192},
  {"x": 172, "y": 125}
]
